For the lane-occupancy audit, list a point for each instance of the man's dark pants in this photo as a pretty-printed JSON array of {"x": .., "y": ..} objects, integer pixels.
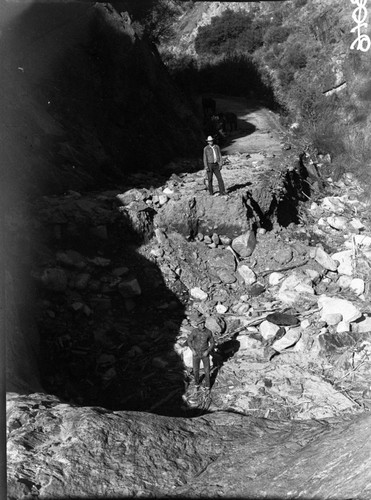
[
  {"x": 213, "y": 168},
  {"x": 196, "y": 369}
]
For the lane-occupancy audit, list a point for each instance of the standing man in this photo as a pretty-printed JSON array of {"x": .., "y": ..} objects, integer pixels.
[
  {"x": 213, "y": 163},
  {"x": 201, "y": 342}
]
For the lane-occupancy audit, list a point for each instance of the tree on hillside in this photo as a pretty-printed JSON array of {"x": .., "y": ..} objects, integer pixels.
[{"x": 232, "y": 32}]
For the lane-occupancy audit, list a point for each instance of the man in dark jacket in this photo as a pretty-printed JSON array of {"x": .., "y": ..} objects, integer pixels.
[
  {"x": 213, "y": 163},
  {"x": 201, "y": 342}
]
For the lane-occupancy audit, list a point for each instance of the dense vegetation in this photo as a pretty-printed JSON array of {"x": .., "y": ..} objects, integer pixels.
[{"x": 231, "y": 33}]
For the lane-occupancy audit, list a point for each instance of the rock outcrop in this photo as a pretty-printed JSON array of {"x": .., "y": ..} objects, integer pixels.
[{"x": 93, "y": 453}]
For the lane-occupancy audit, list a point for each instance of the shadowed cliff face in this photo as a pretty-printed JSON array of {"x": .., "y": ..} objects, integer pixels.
[{"x": 83, "y": 99}]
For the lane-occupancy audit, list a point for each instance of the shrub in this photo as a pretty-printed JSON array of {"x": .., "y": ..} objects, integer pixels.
[
  {"x": 286, "y": 76},
  {"x": 231, "y": 32},
  {"x": 300, "y": 3},
  {"x": 276, "y": 34},
  {"x": 295, "y": 57}
]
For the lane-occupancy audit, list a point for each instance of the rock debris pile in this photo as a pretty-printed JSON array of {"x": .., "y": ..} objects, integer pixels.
[
  {"x": 118, "y": 275},
  {"x": 288, "y": 307}
]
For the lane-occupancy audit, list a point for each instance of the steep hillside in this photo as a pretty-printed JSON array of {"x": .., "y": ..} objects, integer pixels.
[
  {"x": 196, "y": 15},
  {"x": 306, "y": 58},
  {"x": 83, "y": 98}
]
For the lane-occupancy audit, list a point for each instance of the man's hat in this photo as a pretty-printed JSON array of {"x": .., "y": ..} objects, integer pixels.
[{"x": 209, "y": 138}]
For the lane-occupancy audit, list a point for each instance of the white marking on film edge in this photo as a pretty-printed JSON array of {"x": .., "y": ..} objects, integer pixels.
[{"x": 359, "y": 15}]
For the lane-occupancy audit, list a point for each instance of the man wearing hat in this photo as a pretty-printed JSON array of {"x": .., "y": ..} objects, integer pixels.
[
  {"x": 201, "y": 342},
  {"x": 213, "y": 163}
]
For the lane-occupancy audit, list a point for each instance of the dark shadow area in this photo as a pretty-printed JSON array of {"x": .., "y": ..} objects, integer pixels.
[
  {"x": 234, "y": 75},
  {"x": 98, "y": 347},
  {"x": 252, "y": 206},
  {"x": 222, "y": 353},
  {"x": 101, "y": 346},
  {"x": 225, "y": 138},
  {"x": 86, "y": 100},
  {"x": 236, "y": 187}
]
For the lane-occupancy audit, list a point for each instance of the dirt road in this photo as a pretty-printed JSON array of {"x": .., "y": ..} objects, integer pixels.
[{"x": 258, "y": 130}]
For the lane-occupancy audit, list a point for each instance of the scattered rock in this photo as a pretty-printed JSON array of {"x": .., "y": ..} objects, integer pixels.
[
  {"x": 357, "y": 285},
  {"x": 345, "y": 259},
  {"x": 283, "y": 256},
  {"x": 158, "y": 252},
  {"x": 342, "y": 327},
  {"x": 333, "y": 203},
  {"x": 332, "y": 319},
  {"x": 215, "y": 324},
  {"x": 305, "y": 323},
  {"x": 288, "y": 340},
  {"x": 244, "y": 245},
  {"x": 162, "y": 199},
  {"x": 357, "y": 224},
  {"x": 344, "y": 281},
  {"x": 283, "y": 319},
  {"x": 294, "y": 286},
  {"x": 82, "y": 280},
  {"x": 253, "y": 346},
  {"x": 320, "y": 256},
  {"x": 54, "y": 279},
  {"x": 275, "y": 278},
  {"x": 226, "y": 276},
  {"x": 130, "y": 196},
  {"x": 225, "y": 240},
  {"x": 338, "y": 222},
  {"x": 247, "y": 274},
  {"x": 120, "y": 271},
  {"x": 221, "y": 308},
  {"x": 268, "y": 330},
  {"x": 198, "y": 294},
  {"x": 160, "y": 236},
  {"x": 71, "y": 258},
  {"x": 362, "y": 325},
  {"x": 129, "y": 288},
  {"x": 215, "y": 239},
  {"x": 313, "y": 275},
  {"x": 256, "y": 289},
  {"x": 333, "y": 305}
]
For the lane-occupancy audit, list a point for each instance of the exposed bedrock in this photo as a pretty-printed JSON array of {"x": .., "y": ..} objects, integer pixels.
[{"x": 94, "y": 453}]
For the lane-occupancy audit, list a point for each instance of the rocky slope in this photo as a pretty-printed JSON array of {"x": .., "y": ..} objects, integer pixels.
[{"x": 289, "y": 309}]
